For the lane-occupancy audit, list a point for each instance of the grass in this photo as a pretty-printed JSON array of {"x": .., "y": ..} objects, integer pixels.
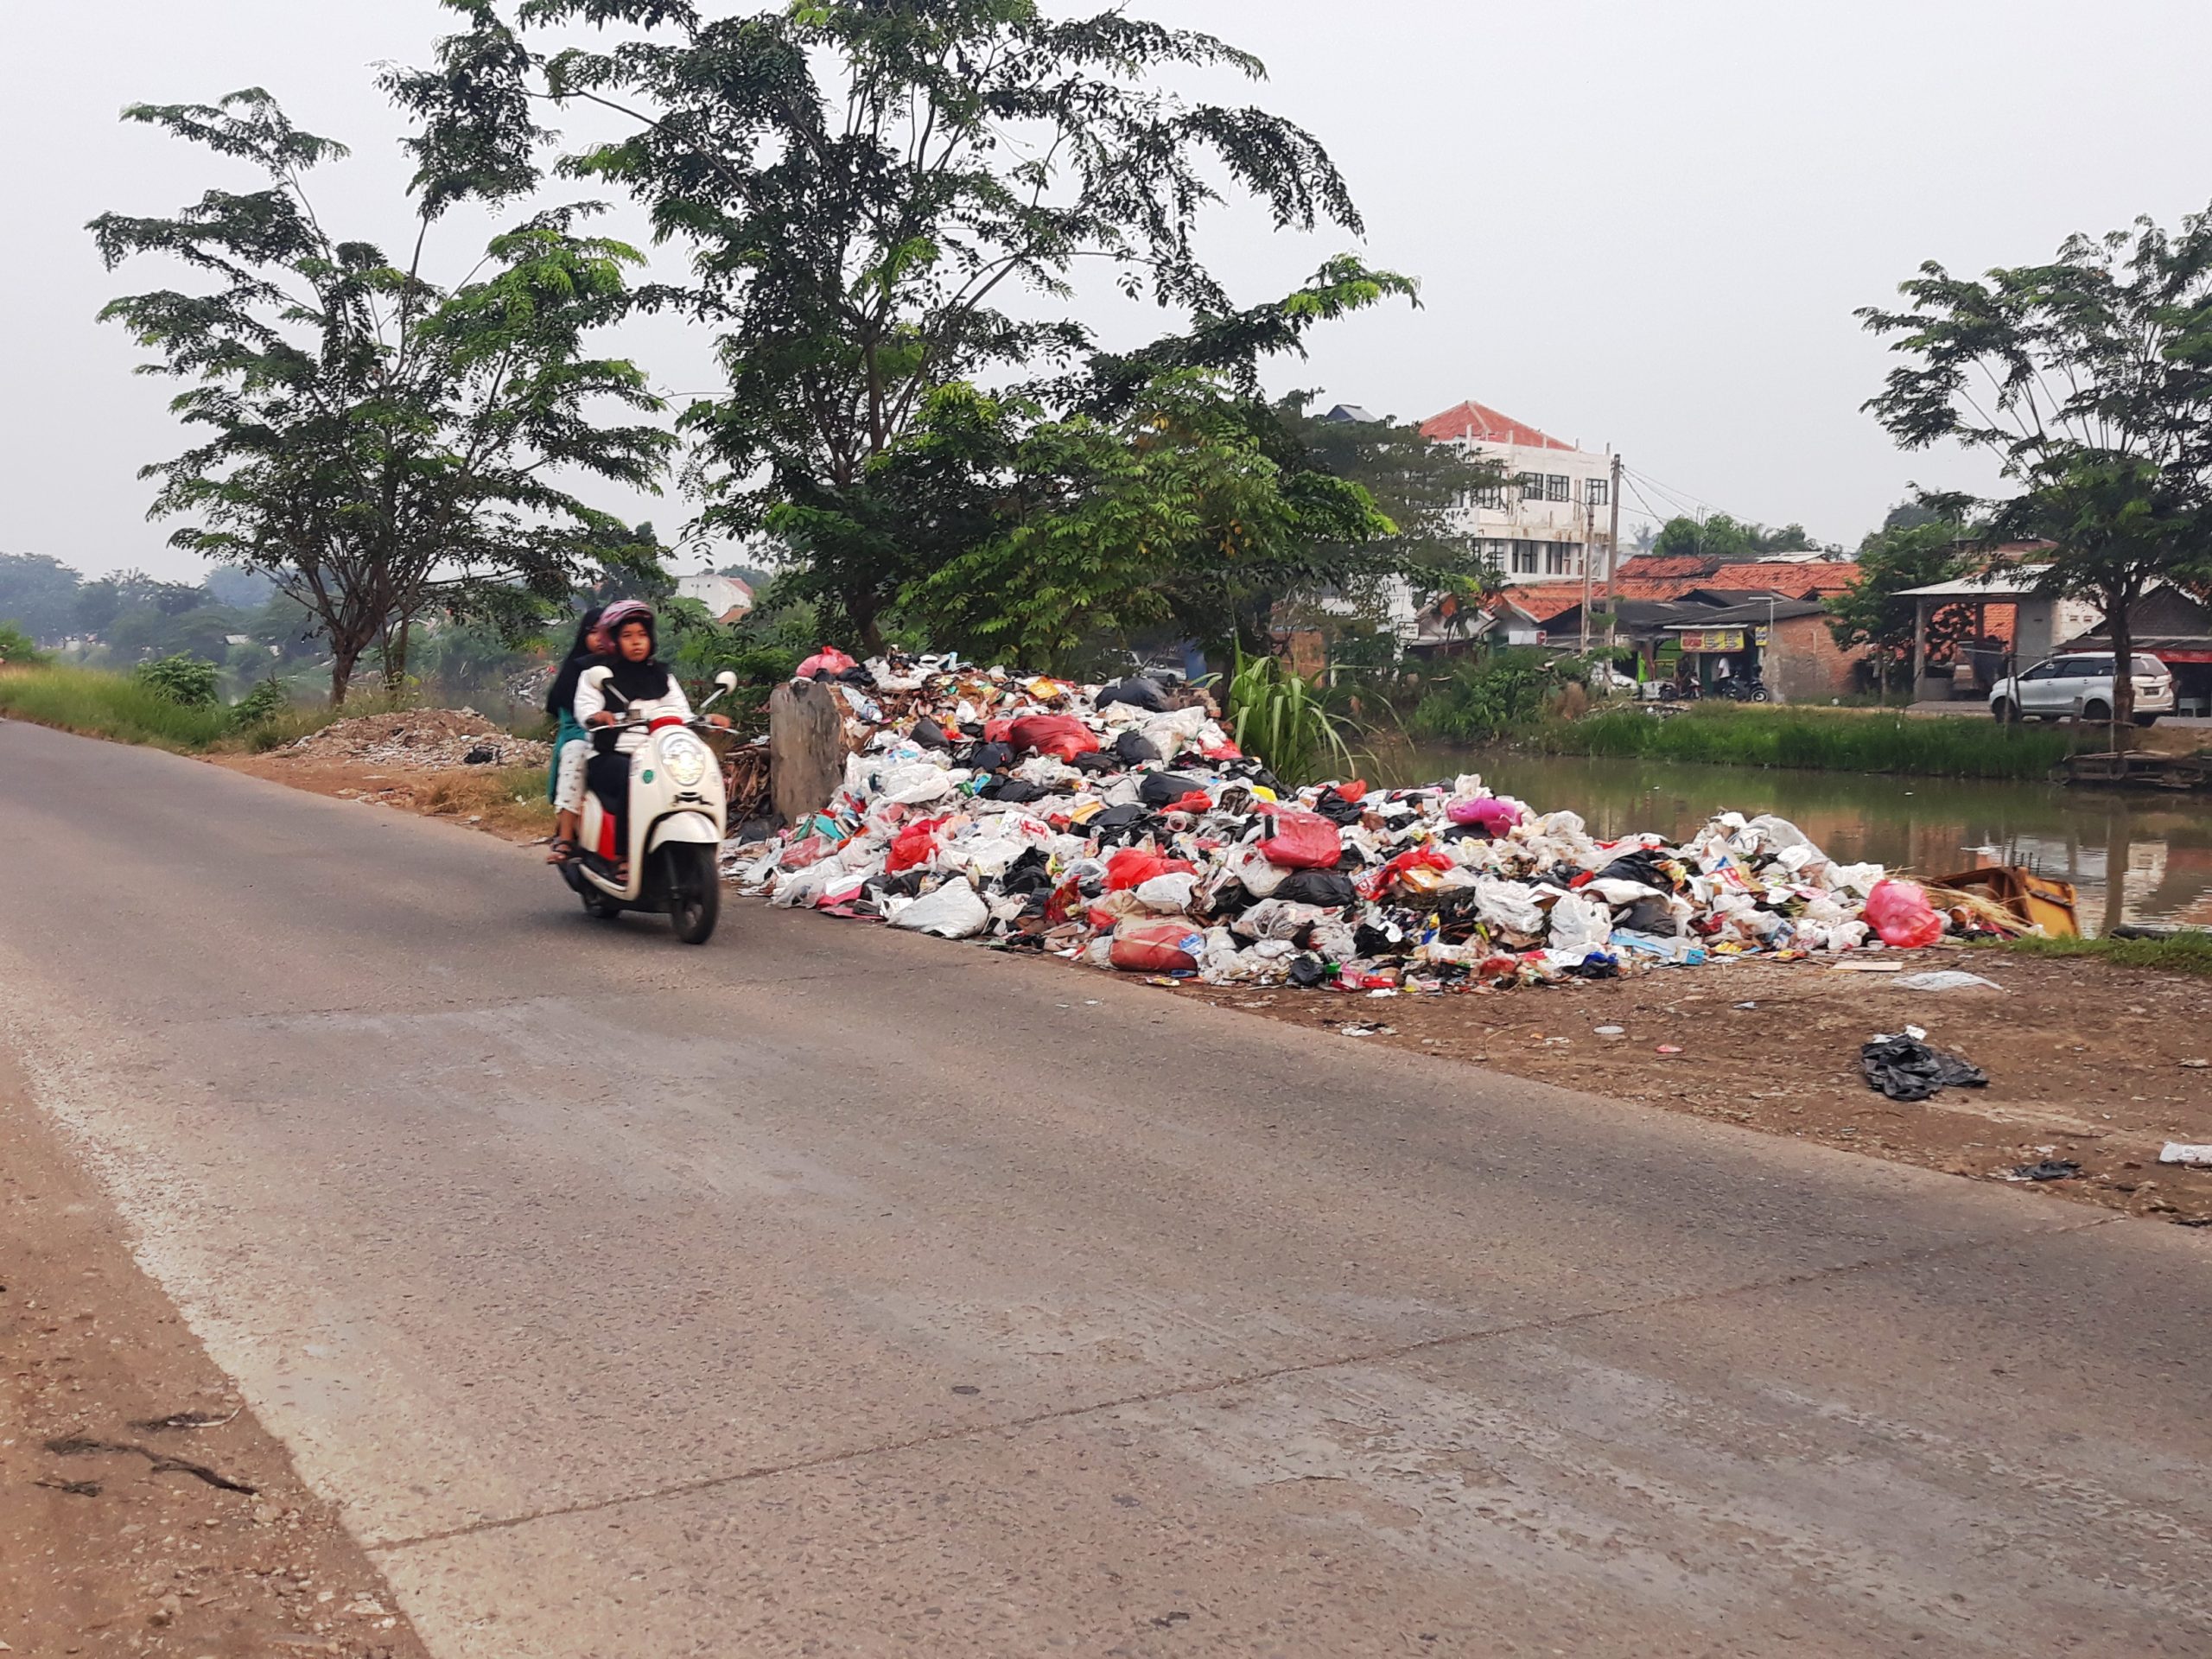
[
  {"x": 2183, "y": 953},
  {"x": 114, "y": 706},
  {"x": 510, "y": 799},
  {"x": 1277, "y": 716},
  {"x": 1820, "y": 739}
]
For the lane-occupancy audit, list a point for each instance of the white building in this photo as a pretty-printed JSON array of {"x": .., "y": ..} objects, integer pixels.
[
  {"x": 1553, "y": 509},
  {"x": 726, "y": 598}
]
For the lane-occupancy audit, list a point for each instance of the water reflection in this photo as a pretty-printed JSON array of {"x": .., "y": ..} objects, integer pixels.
[{"x": 2134, "y": 858}]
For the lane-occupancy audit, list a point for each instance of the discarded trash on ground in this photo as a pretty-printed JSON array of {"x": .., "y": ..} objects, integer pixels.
[
  {"x": 2050, "y": 1169},
  {"x": 2182, "y": 1152},
  {"x": 1121, "y": 827},
  {"x": 1947, "y": 979},
  {"x": 1904, "y": 1068}
]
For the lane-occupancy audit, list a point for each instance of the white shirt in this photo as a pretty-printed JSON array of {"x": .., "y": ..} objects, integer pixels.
[{"x": 590, "y": 701}]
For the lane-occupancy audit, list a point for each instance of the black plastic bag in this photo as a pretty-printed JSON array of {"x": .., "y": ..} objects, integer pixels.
[
  {"x": 1307, "y": 972},
  {"x": 1339, "y": 810},
  {"x": 1096, "y": 760},
  {"x": 1904, "y": 1068},
  {"x": 1166, "y": 788},
  {"x": 1137, "y": 692},
  {"x": 1326, "y": 888},
  {"x": 990, "y": 757},
  {"x": 1015, "y": 791},
  {"x": 930, "y": 735},
  {"x": 1134, "y": 748}
]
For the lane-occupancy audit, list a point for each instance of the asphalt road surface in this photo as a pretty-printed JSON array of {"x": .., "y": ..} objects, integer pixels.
[{"x": 831, "y": 1292}]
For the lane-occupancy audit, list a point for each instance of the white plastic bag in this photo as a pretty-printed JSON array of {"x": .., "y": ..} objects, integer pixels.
[
  {"x": 951, "y": 911},
  {"x": 1168, "y": 894},
  {"x": 1579, "y": 929},
  {"x": 1510, "y": 906}
]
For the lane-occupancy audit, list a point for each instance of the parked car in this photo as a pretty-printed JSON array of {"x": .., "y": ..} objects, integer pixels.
[{"x": 2081, "y": 685}]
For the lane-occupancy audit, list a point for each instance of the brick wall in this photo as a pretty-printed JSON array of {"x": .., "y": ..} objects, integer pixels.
[{"x": 1804, "y": 664}]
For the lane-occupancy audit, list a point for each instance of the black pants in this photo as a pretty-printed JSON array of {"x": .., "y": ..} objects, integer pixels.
[{"x": 607, "y": 776}]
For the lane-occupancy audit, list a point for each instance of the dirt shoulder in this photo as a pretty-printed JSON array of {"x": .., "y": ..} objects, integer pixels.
[
  {"x": 2087, "y": 1061},
  {"x": 143, "y": 1511},
  {"x": 507, "y": 801}
]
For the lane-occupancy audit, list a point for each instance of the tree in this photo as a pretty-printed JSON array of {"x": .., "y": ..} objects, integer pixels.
[
  {"x": 1173, "y": 513},
  {"x": 1871, "y": 611},
  {"x": 38, "y": 594},
  {"x": 2089, "y": 380},
  {"x": 1717, "y": 537},
  {"x": 1420, "y": 486},
  {"x": 379, "y": 445},
  {"x": 879, "y": 200}
]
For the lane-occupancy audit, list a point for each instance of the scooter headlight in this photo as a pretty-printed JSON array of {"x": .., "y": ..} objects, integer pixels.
[{"x": 686, "y": 760}]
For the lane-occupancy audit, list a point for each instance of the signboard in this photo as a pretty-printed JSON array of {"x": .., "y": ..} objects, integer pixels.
[{"x": 1712, "y": 640}]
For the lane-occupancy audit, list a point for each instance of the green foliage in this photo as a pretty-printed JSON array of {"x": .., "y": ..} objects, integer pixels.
[
  {"x": 263, "y": 704},
  {"x": 880, "y": 202},
  {"x": 2088, "y": 380},
  {"x": 1818, "y": 740},
  {"x": 1733, "y": 541},
  {"x": 38, "y": 594},
  {"x": 1490, "y": 696},
  {"x": 1277, "y": 716},
  {"x": 377, "y": 445},
  {"x": 2181, "y": 953},
  {"x": 1172, "y": 513},
  {"x": 1871, "y": 612},
  {"x": 116, "y": 706},
  {"x": 188, "y": 682},
  {"x": 17, "y": 647}
]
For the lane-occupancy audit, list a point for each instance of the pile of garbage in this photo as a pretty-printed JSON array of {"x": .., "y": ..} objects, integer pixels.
[
  {"x": 422, "y": 740},
  {"x": 1120, "y": 825}
]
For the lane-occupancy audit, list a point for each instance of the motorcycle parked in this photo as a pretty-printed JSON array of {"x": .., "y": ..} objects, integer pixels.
[{"x": 676, "y": 818}]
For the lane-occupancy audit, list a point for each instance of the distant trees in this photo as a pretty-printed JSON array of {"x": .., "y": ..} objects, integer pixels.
[
  {"x": 39, "y": 594},
  {"x": 2088, "y": 380},
  {"x": 1730, "y": 540},
  {"x": 375, "y": 444}
]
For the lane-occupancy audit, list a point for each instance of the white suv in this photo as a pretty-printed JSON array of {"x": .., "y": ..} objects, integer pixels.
[{"x": 2081, "y": 686}]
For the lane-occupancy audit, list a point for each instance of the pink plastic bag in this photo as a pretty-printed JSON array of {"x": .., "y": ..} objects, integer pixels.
[
  {"x": 1494, "y": 815},
  {"x": 1156, "y": 948},
  {"x": 1899, "y": 911},
  {"x": 1303, "y": 841},
  {"x": 828, "y": 660},
  {"x": 1135, "y": 866}
]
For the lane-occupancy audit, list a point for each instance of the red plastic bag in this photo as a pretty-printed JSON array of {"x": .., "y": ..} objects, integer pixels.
[
  {"x": 1157, "y": 948},
  {"x": 1060, "y": 736},
  {"x": 914, "y": 845},
  {"x": 1135, "y": 866},
  {"x": 1197, "y": 801},
  {"x": 1899, "y": 911},
  {"x": 1223, "y": 752},
  {"x": 1303, "y": 841},
  {"x": 1421, "y": 858},
  {"x": 1354, "y": 792},
  {"x": 828, "y": 660}
]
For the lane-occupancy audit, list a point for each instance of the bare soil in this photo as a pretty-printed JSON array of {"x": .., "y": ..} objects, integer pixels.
[
  {"x": 2088, "y": 1063},
  {"x": 143, "y": 1509},
  {"x": 507, "y": 801}
]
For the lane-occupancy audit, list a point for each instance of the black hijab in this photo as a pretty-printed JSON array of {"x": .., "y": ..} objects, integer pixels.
[
  {"x": 638, "y": 682},
  {"x": 560, "y": 695}
]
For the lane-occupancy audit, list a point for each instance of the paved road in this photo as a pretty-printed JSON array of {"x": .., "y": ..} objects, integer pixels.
[{"x": 829, "y": 1292}]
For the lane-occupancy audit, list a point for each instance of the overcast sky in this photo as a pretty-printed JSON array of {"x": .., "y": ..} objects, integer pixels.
[{"x": 1636, "y": 224}]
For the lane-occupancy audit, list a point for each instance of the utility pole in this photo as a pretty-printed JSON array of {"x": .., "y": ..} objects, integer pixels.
[
  {"x": 1613, "y": 556},
  {"x": 1586, "y": 551}
]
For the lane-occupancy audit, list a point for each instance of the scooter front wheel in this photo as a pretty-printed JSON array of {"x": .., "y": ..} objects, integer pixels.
[{"x": 695, "y": 890}]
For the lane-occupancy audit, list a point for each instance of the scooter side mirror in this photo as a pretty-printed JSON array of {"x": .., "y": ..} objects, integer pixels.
[
  {"x": 727, "y": 679},
  {"x": 598, "y": 677}
]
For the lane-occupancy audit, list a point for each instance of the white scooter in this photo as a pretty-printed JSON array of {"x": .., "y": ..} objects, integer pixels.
[{"x": 677, "y": 818}]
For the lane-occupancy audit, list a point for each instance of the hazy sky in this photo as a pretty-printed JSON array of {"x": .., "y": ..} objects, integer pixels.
[{"x": 1636, "y": 222}]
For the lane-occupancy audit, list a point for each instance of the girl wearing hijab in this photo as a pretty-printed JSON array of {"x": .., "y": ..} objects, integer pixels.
[
  {"x": 651, "y": 693},
  {"x": 565, "y": 784}
]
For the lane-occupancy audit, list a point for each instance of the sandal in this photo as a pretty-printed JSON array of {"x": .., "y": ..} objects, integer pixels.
[{"x": 562, "y": 851}]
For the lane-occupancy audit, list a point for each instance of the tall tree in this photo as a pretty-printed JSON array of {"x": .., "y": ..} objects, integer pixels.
[
  {"x": 1871, "y": 611},
  {"x": 379, "y": 445},
  {"x": 39, "y": 594},
  {"x": 878, "y": 201},
  {"x": 2089, "y": 380}
]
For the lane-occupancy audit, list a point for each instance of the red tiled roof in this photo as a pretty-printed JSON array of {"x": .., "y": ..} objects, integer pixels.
[
  {"x": 1797, "y": 580},
  {"x": 1673, "y": 564},
  {"x": 1485, "y": 425},
  {"x": 1544, "y": 601}
]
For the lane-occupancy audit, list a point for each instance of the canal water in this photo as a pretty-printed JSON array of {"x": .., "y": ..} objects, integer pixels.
[{"x": 2134, "y": 858}]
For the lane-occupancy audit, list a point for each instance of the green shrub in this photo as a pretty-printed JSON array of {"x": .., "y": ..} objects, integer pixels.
[
  {"x": 18, "y": 647},
  {"x": 1277, "y": 716},
  {"x": 1489, "y": 696},
  {"x": 1823, "y": 740},
  {"x": 185, "y": 680},
  {"x": 264, "y": 704},
  {"x": 2182, "y": 953}
]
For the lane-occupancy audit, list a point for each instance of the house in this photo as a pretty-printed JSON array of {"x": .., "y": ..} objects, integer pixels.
[
  {"x": 1550, "y": 515},
  {"x": 726, "y": 598},
  {"x": 2027, "y": 625}
]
